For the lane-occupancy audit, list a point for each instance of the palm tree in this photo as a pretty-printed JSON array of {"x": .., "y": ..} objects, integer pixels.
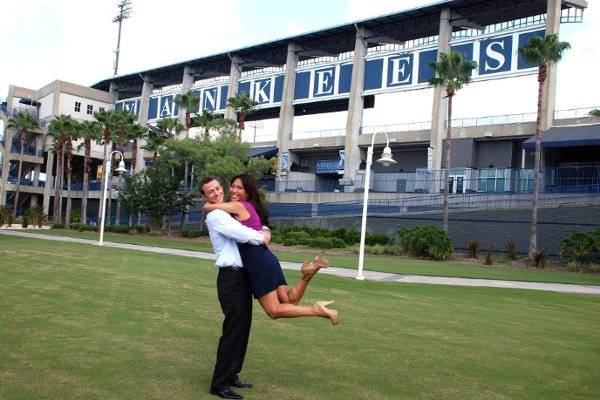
[
  {"x": 189, "y": 102},
  {"x": 73, "y": 134},
  {"x": 154, "y": 141},
  {"x": 108, "y": 120},
  {"x": 169, "y": 126},
  {"x": 59, "y": 129},
  {"x": 595, "y": 112},
  {"x": 243, "y": 105},
  {"x": 541, "y": 52},
  {"x": 89, "y": 131},
  {"x": 207, "y": 121},
  {"x": 135, "y": 132},
  {"x": 451, "y": 73},
  {"x": 22, "y": 123}
]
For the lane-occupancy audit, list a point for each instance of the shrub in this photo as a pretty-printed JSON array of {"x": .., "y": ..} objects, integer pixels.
[
  {"x": 75, "y": 215},
  {"x": 473, "y": 249},
  {"x": 192, "y": 233},
  {"x": 118, "y": 228},
  {"x": 58, "y": 225},
  {"x": 295, "y": 238},
  {"x": 489, "y": 256},
  {"x": 377, "y": 238},
  {"x": 4, "y": 213},
  {"x": 582, "y": 246},
  {"x": 325, "y": 243},
  {"x": 141, "y": 228},
  {"x": 83, "y": 227},
  {"x": 426, "y": 241},
  {"x": 511, "y": 250},
  {"x": 539, "y": 257}
]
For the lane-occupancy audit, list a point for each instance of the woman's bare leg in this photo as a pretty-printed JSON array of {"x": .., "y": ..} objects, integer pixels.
[
  {"x": 275, "y": 309},
  {"x": 295, "y": 294}
]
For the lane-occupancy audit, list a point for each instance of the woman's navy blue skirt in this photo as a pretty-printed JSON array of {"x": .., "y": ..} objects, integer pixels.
[{"x": 263, "y": 269}]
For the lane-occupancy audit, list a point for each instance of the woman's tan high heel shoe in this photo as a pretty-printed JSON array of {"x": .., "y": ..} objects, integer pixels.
[
  {"x": 321, "y": 307},
  {"x": 309, "y": 269}
]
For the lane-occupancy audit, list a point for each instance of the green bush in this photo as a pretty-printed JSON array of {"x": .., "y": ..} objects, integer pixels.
[
  {"x": 75, "y": 215},
  {"x": 321, "y": 243},
  {"x": 338, "y": 243},
  {"x": 4, "y": 213},
  {"x": 296, "y": 238},
  {"x": 83, "y": 227},
  {"x": 58, "y": 225},
  {"x": 583, "y": 247},
  {"x": 473, "y": 249},
  {"x": 118, "y": 228},
  {"x": 141, "y": 228},
  {"x": 192, "y": 233},
  {"x": 426, "y": 241},
  {"x": 375, "y": 238}
]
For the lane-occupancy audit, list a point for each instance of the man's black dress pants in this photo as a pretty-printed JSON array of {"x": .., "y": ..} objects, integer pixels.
[{"x": 233, "y": 290}]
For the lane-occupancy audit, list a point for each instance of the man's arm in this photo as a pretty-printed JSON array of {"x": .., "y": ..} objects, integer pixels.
[{"x": 227, "y": 226}]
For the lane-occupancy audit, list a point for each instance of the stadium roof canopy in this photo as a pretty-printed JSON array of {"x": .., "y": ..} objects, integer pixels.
[
  {"x": 567, "y": 136},
  {"x": 397, "y": 27}
]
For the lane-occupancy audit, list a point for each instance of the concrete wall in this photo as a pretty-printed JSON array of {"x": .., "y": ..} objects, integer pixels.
[
  {"x": 494, "y": 154},
  {"x": 496, "y": 227}
]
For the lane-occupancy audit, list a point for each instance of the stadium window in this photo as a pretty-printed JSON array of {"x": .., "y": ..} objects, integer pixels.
[
  {"x": 77, "y": 106},
  {"x": 90, "y": 109}
]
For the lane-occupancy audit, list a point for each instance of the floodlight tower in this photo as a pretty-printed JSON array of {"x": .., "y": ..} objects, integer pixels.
[{"x": 124, "y": 13}]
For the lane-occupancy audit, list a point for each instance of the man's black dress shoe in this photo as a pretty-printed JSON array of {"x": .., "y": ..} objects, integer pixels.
[
  {"x": 225, "y": 393},
  {"x": 241, "y": 384}
]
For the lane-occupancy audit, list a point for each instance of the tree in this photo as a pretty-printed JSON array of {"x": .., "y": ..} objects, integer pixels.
[
  {"x": 189, "y": 103},
  {"x": 170, "y": 127},
  {"x": 60, "y": 129},
  {"x": 451, "y": 73},
  {"x": 154, "y": 193},
  {"x": 23, "y": 122},
  {"x": 595, "y": 112},
  {"x": 134, "y": 133},
  {"x": 71, "y": 135},
  {"x": 542, "y": 52},
  {"x": 243, "y": 105},
  {"x": 109, "y": 123},
  {"x": 154, "y": 142},
  {"x": 88, "y": 131},
  {"x": 207, "y": 121}
]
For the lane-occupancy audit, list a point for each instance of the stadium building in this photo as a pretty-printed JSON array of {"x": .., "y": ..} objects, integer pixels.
[{"x": 344, "y": 70}]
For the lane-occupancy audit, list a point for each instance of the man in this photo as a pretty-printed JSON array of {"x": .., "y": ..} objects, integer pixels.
[{"x": 233, "y": 290}]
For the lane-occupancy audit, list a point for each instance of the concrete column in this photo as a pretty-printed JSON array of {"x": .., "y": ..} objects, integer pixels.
[
  {"x": 286, "y": 112},
  {"x": 440, "y": 104},
  {"x": 186, "y": 84},
  {"x": 34, "y": 200},
  {"x": 355, "y": 106},
  {"x": 549, "y": 90},
  {"x": 113, "y": 92},
  {"x": 36, "y": 174},
  {"x": 8, "y": 138},
  {"x": 49, "y": 180},
  {"x": 234, "y": 77},
  {"x": 142, "y": 119}
]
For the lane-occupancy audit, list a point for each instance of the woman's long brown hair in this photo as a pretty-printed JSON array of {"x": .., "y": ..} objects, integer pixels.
[{"x": 249, "y": 185}]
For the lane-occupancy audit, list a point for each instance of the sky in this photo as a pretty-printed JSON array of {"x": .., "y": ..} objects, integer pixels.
[{"x": 74, "y": 40}]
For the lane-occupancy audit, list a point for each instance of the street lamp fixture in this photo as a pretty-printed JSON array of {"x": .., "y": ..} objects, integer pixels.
[
  {"x": 120, "y": 169},
  {"x": 386, "y": 160}
]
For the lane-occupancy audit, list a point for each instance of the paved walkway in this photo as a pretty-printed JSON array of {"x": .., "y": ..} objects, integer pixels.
[{"x": 343, "y": 272}]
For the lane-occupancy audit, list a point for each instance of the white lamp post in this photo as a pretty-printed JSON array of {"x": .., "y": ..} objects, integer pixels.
[
  {"x": 386, "y": 160},
  {"x": 120, "y": 169}
]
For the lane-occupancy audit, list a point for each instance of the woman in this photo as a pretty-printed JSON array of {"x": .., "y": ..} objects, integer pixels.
[{"x": 264, "y": 271}]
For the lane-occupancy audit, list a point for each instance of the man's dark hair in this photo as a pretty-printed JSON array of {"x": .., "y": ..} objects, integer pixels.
[{"x": 204, "y": 181}]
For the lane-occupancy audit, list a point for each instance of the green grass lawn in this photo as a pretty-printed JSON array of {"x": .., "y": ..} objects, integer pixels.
[
  {"x": 83, "y": 322},
  {"x": 399, "y": 265}
]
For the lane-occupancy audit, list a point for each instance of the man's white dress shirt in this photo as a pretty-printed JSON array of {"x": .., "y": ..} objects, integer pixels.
[{"x": 225, "y": 232}]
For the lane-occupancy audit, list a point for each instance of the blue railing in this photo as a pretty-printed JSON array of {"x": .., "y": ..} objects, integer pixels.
[{"x": 16, "y": 110}]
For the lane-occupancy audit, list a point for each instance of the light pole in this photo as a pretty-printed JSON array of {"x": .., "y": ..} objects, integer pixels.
[
  {"x": 120, "y": 169},
  {"x": 386, "y": 160}
]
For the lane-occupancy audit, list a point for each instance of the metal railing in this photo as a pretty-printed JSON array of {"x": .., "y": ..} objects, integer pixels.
[
  {"x": 574, "y": 179},
  {"x": 33, "y": 111},
  {"x": 319, "y": 134}
]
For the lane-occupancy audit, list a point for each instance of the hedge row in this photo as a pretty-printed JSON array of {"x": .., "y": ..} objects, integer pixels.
[{"x": 325, "y": 238}]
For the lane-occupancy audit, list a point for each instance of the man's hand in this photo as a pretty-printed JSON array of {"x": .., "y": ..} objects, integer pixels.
[{"x": 266, "y": 236}]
